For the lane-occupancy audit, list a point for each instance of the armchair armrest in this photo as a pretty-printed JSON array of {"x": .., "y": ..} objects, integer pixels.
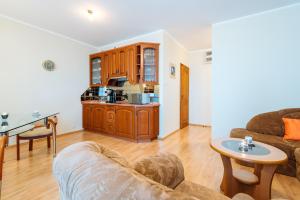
[{"x": 164, "y": 168}]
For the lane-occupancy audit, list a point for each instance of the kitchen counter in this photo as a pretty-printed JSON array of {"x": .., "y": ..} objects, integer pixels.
[{"x": 95, "y": 102}]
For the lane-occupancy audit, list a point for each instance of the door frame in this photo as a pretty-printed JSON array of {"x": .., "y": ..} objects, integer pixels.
[{"x": 181, "y": 67}]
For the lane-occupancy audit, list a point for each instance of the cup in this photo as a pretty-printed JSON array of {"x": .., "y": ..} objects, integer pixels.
[{"x": 248, "y": 140}]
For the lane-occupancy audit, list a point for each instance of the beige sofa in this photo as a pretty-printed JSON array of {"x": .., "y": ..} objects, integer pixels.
[{"x": 88, "y": 170}]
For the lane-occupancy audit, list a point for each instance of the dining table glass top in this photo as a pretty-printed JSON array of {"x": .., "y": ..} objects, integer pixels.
[{"x": 20, "y": 123}]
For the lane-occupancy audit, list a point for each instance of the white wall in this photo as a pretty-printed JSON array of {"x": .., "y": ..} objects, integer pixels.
[
  {"x": 26, "y": 86},
  {"x": 174, "y": 54},
  {"x": 200, "y": 89},
  {"x": 255, "y": 67}
]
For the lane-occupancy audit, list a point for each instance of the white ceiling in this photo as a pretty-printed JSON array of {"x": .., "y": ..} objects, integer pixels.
[{"x": 189, "y": 21}]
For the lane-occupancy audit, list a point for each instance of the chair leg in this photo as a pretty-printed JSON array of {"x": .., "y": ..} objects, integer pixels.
[
  {"x": 48, "y": 142},
  {"x": 18, "y": 147},
  {"x": 30, "y": 145}
]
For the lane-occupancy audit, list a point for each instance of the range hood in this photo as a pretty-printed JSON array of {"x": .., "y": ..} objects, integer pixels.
[{"x": 117, "y": 81}]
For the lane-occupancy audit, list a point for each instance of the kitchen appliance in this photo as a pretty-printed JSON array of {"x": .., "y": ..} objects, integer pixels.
[
  {"x": 111, "y": 96},
  {"x": 139, "y": 98}
]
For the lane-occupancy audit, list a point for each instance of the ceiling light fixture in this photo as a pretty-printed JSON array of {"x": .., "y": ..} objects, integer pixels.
[{"x": 90, "y": 14}]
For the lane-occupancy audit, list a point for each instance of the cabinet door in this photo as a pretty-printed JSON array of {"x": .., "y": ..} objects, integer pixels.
[
  {"x": 98, "y": 116},
  {"x": 122, "y": 67},
  {"x": 110, "y": 120},
  {"x": 149, "y": 63},
  {"x": 105, "y": 69},
  {"x": 95, "y": 70},
  {"x": 125, "y": 122},
  {"x": 156, "y": 122},
  {"x": 131, "y": 64},
  {"x": 113, "y": 62},
  {"x": 86, "y": 117},
  {"x": 144, "y": 123}
]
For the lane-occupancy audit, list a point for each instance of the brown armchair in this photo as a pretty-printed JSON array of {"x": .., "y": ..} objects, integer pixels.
[{"x": 269, "y": 128}]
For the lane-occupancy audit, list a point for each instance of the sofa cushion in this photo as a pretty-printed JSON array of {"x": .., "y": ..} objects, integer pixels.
[
  {"x": 164, "y": 168},
  {"x": 267, "y": 123},
  {"x": 199, "y": 191},
  {"x": 291, "y": 129}
]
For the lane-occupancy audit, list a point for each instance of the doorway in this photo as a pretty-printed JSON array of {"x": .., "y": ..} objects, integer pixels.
[{"x": 184, "y": 95}]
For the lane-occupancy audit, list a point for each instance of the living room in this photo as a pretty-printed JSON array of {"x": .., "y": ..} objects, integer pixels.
[{"x": 54, "y": 68}]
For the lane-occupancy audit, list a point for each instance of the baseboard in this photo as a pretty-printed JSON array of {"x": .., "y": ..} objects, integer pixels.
[
  {"x": 167, "y": 135},
  {"x": 202, "y": 125}
]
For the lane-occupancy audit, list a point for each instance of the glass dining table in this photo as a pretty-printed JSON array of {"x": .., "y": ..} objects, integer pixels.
[{"x": 19, "y": 123}]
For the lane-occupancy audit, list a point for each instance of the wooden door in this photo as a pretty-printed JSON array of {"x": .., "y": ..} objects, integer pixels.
[
  {"x": 98, "y": 118},
  {"x": 110, "y": 120},
  {"x": 144, "y": 122},
  {"x": 125, "y": 122},
  {"x": 121, "y": 69},
  {"x": 87, "y": 117},
  {"x": 131, "y": 64},
  {"x": 184, "y": 96}
]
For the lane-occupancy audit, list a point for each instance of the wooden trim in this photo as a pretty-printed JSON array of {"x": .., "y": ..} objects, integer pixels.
[
  {"x": 168, "y": 135},
  {"x": 201, "y": 125}
]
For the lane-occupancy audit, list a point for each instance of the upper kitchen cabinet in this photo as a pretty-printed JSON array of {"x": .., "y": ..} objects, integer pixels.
[
  {"x": 130, "y": 63},
  {"x": 138, "y": 62},
  {"x": 147, "y": 63},
  {"x": 96, "y": 69}
]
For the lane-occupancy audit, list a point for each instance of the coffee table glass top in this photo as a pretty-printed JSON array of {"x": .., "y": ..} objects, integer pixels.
[{"x": 233, "y": 145}]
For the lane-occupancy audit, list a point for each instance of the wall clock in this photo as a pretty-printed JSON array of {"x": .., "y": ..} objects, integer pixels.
[{"x": 48, "y": 65}]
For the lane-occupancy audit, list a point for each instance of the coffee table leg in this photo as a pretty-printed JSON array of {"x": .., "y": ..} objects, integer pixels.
[
  {"x": 229, "y": 185},
  {"x": 263, "y": 189}
]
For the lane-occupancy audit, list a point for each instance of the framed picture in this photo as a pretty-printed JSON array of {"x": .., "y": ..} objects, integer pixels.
[{"x": 172, "y": 71}]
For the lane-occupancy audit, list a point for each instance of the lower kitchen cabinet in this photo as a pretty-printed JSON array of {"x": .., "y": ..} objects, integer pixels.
[
  {"x": 125, "y": 122},
  {"x": 134, "y": 122}
]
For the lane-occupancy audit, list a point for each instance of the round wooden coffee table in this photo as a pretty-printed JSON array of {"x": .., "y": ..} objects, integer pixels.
[{"x": 265, "y": 158}]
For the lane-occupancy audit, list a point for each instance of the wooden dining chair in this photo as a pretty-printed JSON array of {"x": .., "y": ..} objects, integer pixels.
[
  {"x": 3, "y": 140},
  {"x": 40, "y": 130}
]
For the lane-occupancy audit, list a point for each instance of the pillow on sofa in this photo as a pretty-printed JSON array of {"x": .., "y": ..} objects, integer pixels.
[
  {"x": 292, "y": 129},
  {"x": 164, "y": 168}
]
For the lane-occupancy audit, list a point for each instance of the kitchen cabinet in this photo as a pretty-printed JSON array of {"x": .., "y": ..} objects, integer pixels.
[
  {"x": 113, "y": 63},
  {"x": 134, "y": 122},
  {"x": 138, "y": 62},
  {"x": 122, "y": 67},
  {"x": 125, "y": 122},
  {"x": 130, "y": 60},
  {"x": 96, "y": 69},
  {"x": 87, "y": 116},
  {"x": 147, "y": 56},
  {"x": 98, "y": 116},
  {"x": 109, "y": 119}
]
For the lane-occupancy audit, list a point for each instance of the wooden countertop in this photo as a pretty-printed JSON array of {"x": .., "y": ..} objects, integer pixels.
[{"x": 96, "y": 102}]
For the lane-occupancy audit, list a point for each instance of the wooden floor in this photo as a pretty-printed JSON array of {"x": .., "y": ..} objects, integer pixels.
[{"x": 30, "y": 178}]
